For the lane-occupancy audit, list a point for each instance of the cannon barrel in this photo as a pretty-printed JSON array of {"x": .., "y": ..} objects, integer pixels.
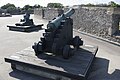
[{"x": 56, "y": 22}]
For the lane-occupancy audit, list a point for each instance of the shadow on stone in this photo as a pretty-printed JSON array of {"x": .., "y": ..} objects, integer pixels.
[
  {"x": 117, "y": 33},
  {"x": 79, "y": 64},
  {"x": 99, "y": 71},
  {"x": 25, "y": 76},
  {"x": 28, "y": 31}
]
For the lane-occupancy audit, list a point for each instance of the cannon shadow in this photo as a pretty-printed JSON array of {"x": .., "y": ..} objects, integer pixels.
[{"x": 99, "y": 71}]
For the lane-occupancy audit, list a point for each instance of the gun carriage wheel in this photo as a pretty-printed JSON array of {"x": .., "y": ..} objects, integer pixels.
[
  {"x": 77, "y": 42},
  {"x": 37, "y": 48}
]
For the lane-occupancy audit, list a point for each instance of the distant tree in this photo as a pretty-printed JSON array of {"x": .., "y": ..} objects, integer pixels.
[
  {"x": 110, "y": 4},
  {"x": 113, "y": 4},
  {"x": 1, "y": 11},
  {"x": 11, "y": 9},
  {"x": 82, "y": 4},
  {"x": 89, "y": 4},
  {"x": 7, "y": 5},
  {"x": 37, "y": 6},
  {"x": 101, "y": 5},
  {"x": 27, "y": 7},
  {"x": 55, "y": 5}
]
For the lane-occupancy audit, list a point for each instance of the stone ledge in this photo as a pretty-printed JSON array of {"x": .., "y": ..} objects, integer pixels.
[
  {"x": 55, "y": 67},
  {"x": 100, "y": 38}
]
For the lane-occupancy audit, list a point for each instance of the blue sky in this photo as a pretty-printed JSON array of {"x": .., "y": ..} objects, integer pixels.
[{"x": 21, "y": 3}]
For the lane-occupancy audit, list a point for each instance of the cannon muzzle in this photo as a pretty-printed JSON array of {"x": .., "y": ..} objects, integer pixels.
[{"x": 56, "y": 22}]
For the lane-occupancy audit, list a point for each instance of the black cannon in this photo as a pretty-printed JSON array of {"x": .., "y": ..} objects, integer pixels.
[
  {"x": 58, "y": 37},
  {"x": 25, "y": 25},
  {"x": 57, "y": 42},
  {"x": 26, "y": 21}
]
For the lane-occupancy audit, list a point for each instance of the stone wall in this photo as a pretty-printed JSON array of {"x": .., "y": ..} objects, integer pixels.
[
  {"x": 99, "y": 21},
  {"x": 38, "y": 13},
  {"x": 47, "y": 13},
  {"x": 93, "y": 20}
]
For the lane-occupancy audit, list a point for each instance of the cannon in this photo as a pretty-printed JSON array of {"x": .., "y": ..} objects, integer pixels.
[
  {"x": 26, "y": 25},
  {"x": 26, "y": 21},
  {"x": 58, "y": 37},
  {"x": 57, "y": 42}
]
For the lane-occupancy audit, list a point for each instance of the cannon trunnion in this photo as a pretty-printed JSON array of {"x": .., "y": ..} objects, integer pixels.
[{"x": 58, "y": 37}]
